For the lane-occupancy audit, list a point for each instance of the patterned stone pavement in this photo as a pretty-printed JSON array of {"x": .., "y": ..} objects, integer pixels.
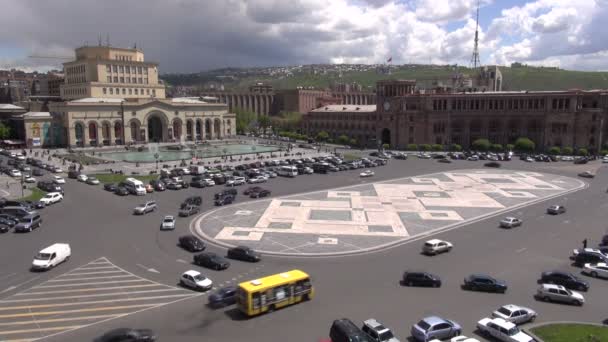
[{"x": 375, "y": 215}]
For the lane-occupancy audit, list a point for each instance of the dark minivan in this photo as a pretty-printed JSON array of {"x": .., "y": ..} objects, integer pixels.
[
  {"x": 344, "y": 330},
  {"x": 418, "y": 278},
  {"x": 244, "y": 253},
  {"x": 191, "y": 243}
]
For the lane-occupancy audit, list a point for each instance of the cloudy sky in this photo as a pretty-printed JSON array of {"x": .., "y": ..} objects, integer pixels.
[{"x": 194, "y": 35}]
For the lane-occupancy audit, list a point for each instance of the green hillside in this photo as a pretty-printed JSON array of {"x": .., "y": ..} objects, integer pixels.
[{"x": 518, "y": 78}]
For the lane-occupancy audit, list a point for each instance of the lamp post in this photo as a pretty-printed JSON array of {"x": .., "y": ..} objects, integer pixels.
[
  {"x": 156, "y": 155},
  {"x": 22, "y": 185}
]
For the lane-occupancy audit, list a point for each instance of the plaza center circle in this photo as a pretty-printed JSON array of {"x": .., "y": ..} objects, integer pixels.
[{"x": 374, "y": 216}]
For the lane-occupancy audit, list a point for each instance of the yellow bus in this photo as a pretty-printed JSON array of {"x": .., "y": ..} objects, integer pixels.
[{"x": 273, "y": 292}]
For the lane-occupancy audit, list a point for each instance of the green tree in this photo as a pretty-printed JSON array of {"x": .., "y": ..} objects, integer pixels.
[
  {"x": 245, "y": 120},
  {"x": 411, "y": 147},
  {"x": 524, "y": 145},
  {"x": 264, "y": 122},
  {"x": 481, "y": 145},
  {"x": 437, "y": 147},
  {"x": 322, "y": 136},
  {"x": 510, "y": 147},
  {"x": 455, "y": 148},
  {"x": 386, "y": 146},
  {"x": 343, "y": 140},
  {"x": 425, "y": 147},
  {"x": 567, "y": 151},
  {"x": 5, "y": 131},
  {"x": 555, "y": 150},
  {"x": 353, "y": 142},
  {"x": 496, "y": 148},
  {"x": 582, "y": 152}
]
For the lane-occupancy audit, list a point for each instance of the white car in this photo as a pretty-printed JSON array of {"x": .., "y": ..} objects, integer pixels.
[
  {"x": 367, "y": 173},
  {"x": 502, "y": 330},
  {"x": 473, "y": 158},
  {"x": 558, "y": 293},
  {"x": 15, "y": 173},
  {"x": 424, "y": 156},
  {"x": 436, "y": 246},
  {"x": 515, "y": 314},
  {"x": 460, "y": 338},
  {"x": 51, "y": 198},
  {"x": 258, "y": 179},
  {"x": 308, "y": 170},
  {"x": 82, "y": 178},
  {"x": 57, "y": 169},
  {"x": 510, "y": 222},
  {"x": 599, "y": 270},
  {"x": 605, "y": 160},
  {"x": 29, "y": 179},
  {"x": 236, "y": 181},
  {"x": 58, "y": 180},
  {"x": 529, "y": 159},
  {"x": 567, "y": 158},
  {"x": 168, "y": 223},
  {"x": 209, "y": 182},
  {"x": 195, "y": 280}
]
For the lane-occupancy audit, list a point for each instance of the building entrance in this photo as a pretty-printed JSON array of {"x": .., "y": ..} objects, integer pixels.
[{"x": 155, "y": 129}]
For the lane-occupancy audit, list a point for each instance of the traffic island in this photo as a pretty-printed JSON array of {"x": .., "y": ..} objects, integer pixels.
[{"x": 570, "y": 332}]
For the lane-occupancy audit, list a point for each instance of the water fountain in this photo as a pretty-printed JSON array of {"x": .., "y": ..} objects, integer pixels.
[{"x": 153, "y": 148}]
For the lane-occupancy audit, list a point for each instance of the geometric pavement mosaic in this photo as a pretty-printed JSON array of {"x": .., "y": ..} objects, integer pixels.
[{"x": 369, "y": 216}]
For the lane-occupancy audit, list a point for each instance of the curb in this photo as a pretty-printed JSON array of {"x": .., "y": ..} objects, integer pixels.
[
  {"x": 195, "y": 224},
  {"x": 528, "y": 329}
]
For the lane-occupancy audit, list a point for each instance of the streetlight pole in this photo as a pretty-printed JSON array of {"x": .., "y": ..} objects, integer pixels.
[
  {"x": 156, "y": 155},
  {"x": 22, "y": 182}
]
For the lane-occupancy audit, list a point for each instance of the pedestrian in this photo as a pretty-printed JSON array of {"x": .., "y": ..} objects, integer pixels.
[
  {"x": 584, "y": 243},
  {"x": 8, "y": 185}
]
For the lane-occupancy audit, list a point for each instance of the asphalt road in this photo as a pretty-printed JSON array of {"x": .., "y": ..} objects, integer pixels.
[{"x": 99, "y": 224}]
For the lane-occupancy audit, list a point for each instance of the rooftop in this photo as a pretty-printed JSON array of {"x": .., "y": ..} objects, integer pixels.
[
  {"x": 8, "y": 106},
  {"x": 345, "y": 108},
  {"x": 98, "y": 100}
]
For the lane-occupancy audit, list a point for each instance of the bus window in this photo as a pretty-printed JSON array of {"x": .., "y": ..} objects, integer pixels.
[
  {"x": 255, "y": 300},
  {"x": 280, "y": 293}
]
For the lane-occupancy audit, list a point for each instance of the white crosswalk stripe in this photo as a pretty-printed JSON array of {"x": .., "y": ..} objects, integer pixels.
[{"x": 90, "y": 294}]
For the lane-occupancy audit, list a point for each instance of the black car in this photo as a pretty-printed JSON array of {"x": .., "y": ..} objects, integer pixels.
[
  {"x": 492, "y": 164},
  {"x": 211, "y": 260},
  {"x": 244, "y": 253},
  {"x": 73, "y": 174},
  {"x": 446, "y": 161},
  {"x": 584, "y": 257},
  {"x": 4, "y": 228},
  {"x": 225, "y": 192},
  {"x": 158, "y": 185},
  {"x": 483, "y": 282},
  {"x": 223, "y": 297},
  {"x": 251, "y": 189},
  {"x": 580, "y": 160},
  {"x": 8, "y": 220},
  {"x": 224, "y": 200},
  {"x": 260, "y": 193},
  {"x": 35, "y": 204},
  {"x": 418, "y": 278},
  {"x": 604, "y": 241},
  {"x": 191, "y": 243},
  {"x": 198, "y": 183},
  {"x": 189, "y": 210},
  {"x": 567, "y": 280},
  {"x": 121, "y": 191},
  {"x": 110, "y": 187},
  {"x": 37, "y": 172},
  {"x": 49, "y": 187},
  {"x": 127, "y": 335},
  {"x": 344, "y": 330},
  {"x": 194, "y": 200}
]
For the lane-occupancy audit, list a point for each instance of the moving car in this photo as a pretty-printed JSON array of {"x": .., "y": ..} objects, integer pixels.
[
  {"x": 367, "y": 173},
  {"x": 436, "y": 246},
  {"x": 599, "y": 270},
  {"x": 586, "y": 174},
  {"x": 110, "y": 187},
  {"x": 344, "y": 330},
  {"x": 51, "y": 198},
  {"x": 191, "y": 243},
  {"x": 223, "y": 297},
  {"x": 193, "y": 200},
  {"x": 225, "y": 192},
  {"x": 189, "y": 210},
  {"x": 492, "y": 164},
  {"x": 515, "y": 314},
  {"x": 251, "y": 189},
  {"x": 82, "y": 178},
  {"x": 259, "y": 193},
  {"x": 556, "y": 210},
  {"x": 145, "y": 208},
  {"x": 168, "y": 223},
  {"x": 51, "y": 256},
  {"x": 226, "y": 199},
  {"x": 558, "y": 293},
  {"x": 483, "y": 282},
  {"x": 243, "y": 253},
  {"x": 502, "y": 330},
  {"x": 211, "y": 260},
  {"x": 128, "y": 335},
  {"x": 435, "y": 327},
  {"x": 257, "y": 179},
  {"x": 565, "y": 279},
  {"x": 510, "y": 222},
  {"x": 27, "y": 223},
  {"x": 420, "y": 278},
  {"x": 195, "y": 280},
  {"x": 378, "y": 332},
  {"x": 58, "y": 180},
  {"x": 589, "y": 257}
]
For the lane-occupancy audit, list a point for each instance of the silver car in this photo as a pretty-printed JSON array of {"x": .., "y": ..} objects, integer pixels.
[
  {"x": 558, "y": 293},
  {"x": 515, "y": 314},
  {"x": 510, "y": 222},
  {"x": 145, "y": 208},
  {"x": 168, "y": 223}
]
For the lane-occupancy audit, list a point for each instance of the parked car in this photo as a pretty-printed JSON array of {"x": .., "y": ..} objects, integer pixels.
[
  {"x": 257, "y": 179},
  {"x": 189, "y": 210},
  {"x": 515, "y": 314},
  {"x": 211, "y": 260},
  {"x": 157, "y": 185},
  {"x": 27, "y": 223},
  {"x": 191, "y": 243},
  {"x": 436, "y": 246},
  {"x": 49, "y": 187},
  {"x": 149, "y": 188},
  {"x": 51, "y": 198},
  {"x": 37, "y": 172},
  {"x": 344, "y": 330},
  {"x": 558, "y": 293},
  {"x": 235, "y": 181},
  {"x": 586, "y": 257},
  {"x": 556, "y": 210},
  {"x": 225, "y": 192},
  {"x": 58, "y": 180},
  {"x": 168, "y": 223},
  {"x": 244, "y": 253},
  {"x": 435, "y": 327},
  {"x": 260, "y": 193},
  {"x": 224, "y": 200},
  {"x": 598, "y": 270},
  {"x": 377, "y": 332},
  {"x": 565, "y": 279},
  {"x": 110, "y": 187},
  {"x": 195, "y": 280},
  {"x": 128, "y": 335},
  {"x": 420, "y": 278},
  {"x": 145, "y": 208},
  {"x": 510, "y": 222},
  {"x": 502, "y": 330},
  {"x": 29, "y": 179},
  {"x": 223, "y": 297},
  {"x": 121, "y": 191},
  {"x": 14, "y": 173},
  {"x": 82, "y": 178},
  {"x": 73, "y": 174},
  {"x": 483, "y": 282}
]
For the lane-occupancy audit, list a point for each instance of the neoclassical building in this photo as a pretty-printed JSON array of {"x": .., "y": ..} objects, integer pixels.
[{"x": 113, "y": 97}]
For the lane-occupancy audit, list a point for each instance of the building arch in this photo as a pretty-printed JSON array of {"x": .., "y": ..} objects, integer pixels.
[
  {"x": 513, "y": 130},
  {"x": 177, "y": 129},
  {"x": 189, "y": 130},
  {"x": 218, "y": 128},
  {"x": 92, "y": 127},
  {"x": 157, "y": 126},
  {"x": 118, "y": 132},
  {"x": 208, "y": 129},
  {"x": 106, "y": 132},
  {"x": 385, "y": 136},
  {"x": 79, "y": 133},
  {"x": 134, "y": 129},
  {"x": 199, "y": 129}
]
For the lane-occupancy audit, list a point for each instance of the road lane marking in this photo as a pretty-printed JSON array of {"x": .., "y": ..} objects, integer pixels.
[
  {"x": 82, "y": 318},
  {"x": 87, "y": 290},
  {"x": 105, "y": 308},
  {"x": 95, "y": 283},
  {"x": 87, "y": 273},
  {"x": 88, "y": 296},
  {"x": 13, "y": 332},
  {"x": 91, "y": 278},
  {"x": 94, "y": 268},
  {"x": 149, "y": 269}
]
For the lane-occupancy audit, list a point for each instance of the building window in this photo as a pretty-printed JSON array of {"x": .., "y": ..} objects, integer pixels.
[
  {"x": 145, "y": 70},
  {"x": 109, "y": 79},
  {"x": 130, "y": 91},
  {"x": 154, "y": 92},
  {"x": 147, "y": 91},
  {"x": 111, "y": 91},
  {"x": 121, "y": 69},
  {"x": 122, "y": 79},
  {"x": 134, "y": 80},
  {"x": 124, "y": 91},
  {"x": 115, "y": 68},
  {"x": 145, "y": 81},
  {"x": 128, "y": 69},
  {"x": 139, "y": 80},
  {"x": 115, "y": 79},
  {"x": 136, "y": 92},
  {"x": 105, "y": 91},
  {"x": 108, "y": 68}
]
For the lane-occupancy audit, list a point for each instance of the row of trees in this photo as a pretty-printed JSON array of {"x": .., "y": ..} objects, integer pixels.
[{"x": 249, "y": 121}]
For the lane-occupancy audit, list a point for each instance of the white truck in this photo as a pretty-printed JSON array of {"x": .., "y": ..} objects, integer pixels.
[
  {"x": 135, "y": 186},
  {"x": 502, "y": 330},
  {"x": 197, "y": 170},
  {"x": 51, "y": 256}
]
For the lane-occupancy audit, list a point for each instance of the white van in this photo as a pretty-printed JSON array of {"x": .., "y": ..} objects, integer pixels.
[
  {"x": 51, "y": 256},
  {"x": 135, "y": 186},
  {"x": 287, "y": 171},
  {"x": 197, "y": 170}
]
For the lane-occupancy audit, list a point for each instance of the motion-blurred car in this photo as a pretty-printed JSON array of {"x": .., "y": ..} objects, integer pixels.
[
  {"x": 127, "y": 335},
  {"x": 586, "y": 174},
  {"x": 556, "y": 210},
  {"x": 168, "y": 223},
  {"x": 223, "y": 297},
  {"x": 367, "y": 173},
  {"x": 191, "y": 243},
  {"x": 510, "y": 222}
]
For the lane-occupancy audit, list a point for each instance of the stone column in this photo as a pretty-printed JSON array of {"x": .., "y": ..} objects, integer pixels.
[
  {"x": 203, "y": 130},
  {"x": 111, "y": 134},
  {"x": 85, "y": 135},
  {"x": 99, "y": 134},
  {"x": 72, "y": 135},
  {"x": 212, "y": 130}
]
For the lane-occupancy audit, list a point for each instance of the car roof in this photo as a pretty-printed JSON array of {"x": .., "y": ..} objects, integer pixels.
[
  {"x": 512, "y": 307},
  {"x": 374, "y": 324},
  {"x": 480, "y": 275},
  {"x": 553, "y": 286},
  {"x": 434, "y": 320},
  {"x": 510, "y": 218},
  {"x": 434, "y": 241},
  {"x": 192, "y": 273},
  {"x": 502, "y": 323},
  {"x": 169, "y": 217}
]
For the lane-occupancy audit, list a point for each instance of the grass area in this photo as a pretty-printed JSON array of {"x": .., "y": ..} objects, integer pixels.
[
  {"x": 36, "y": 195},
  {"x": 350, "y": 157},
  {"x": 572, "y": 333},
  {"x": 117, "y": 178}
]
